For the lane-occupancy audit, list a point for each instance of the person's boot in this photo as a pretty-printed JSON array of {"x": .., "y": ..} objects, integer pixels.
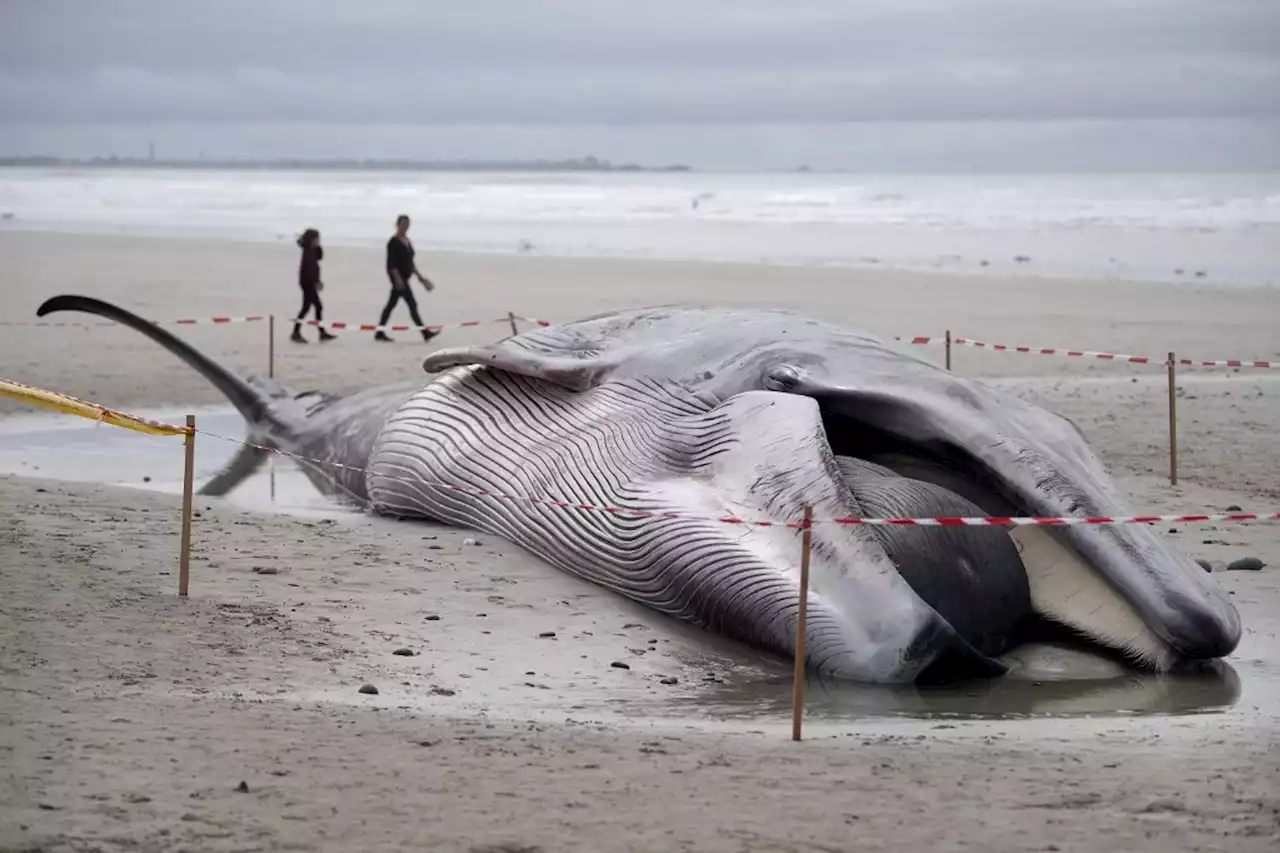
[
  {"x": 297, "y": 337},
  {"x": 326, "y": 335},
  {"x": 428, "y": 334},
  {"x": 382, "y": 336}
]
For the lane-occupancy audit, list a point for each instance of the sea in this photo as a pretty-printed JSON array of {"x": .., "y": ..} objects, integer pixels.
[{"x": 1202, "y": 229}]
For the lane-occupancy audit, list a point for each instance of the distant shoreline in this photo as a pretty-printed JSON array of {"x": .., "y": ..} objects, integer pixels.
[{"x": 585, "y": 164}]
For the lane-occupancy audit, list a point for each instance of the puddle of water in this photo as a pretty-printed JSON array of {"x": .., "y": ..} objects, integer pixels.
[
  {"x": 60, "y": 447},
  {"x": 748, "y": 687}
]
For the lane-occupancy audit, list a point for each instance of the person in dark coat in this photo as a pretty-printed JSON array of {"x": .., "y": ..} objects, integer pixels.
[
  {"x": 309, "y": 281},
  {"x": 400, "y": 269}
]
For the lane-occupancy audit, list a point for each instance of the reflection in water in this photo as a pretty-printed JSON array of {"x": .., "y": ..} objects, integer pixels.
[
  {"x": 67, "y": 448},
  {"x": 1207, "y": 686}
]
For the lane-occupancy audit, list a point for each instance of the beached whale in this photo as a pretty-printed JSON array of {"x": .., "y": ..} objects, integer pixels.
[{"x": 694, "y": 414}]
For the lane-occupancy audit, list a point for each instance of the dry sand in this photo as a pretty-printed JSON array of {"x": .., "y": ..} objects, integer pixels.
[{"x": 130, "y": 717}]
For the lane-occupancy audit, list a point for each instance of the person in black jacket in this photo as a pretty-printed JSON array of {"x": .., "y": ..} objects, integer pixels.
[
  {"x": 401, "y": 268},
  {"x": 309, "y": 281}
]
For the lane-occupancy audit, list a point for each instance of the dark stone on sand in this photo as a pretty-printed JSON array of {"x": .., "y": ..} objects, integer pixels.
[
  {"x": 1204, "y": 564},
  {"x": 546, "y": 635},
  {"x": 433, "y": 618},
  {"x": 268, "y": 570},
  {"x": 620, "y": 665},
  {"x": 146, "y": 479},
  {"x": 669, "y": 680},
  {"x": 1233, "y": 508},
  {"x": 443, "y": 691},
  {"x": 1022, "y": 259},
  {"x": 404, "y": 653},
  {"x": 1245, "y": 564},
  {"x": 243, "y": 787},
  {"x": 368, "y": 690}
]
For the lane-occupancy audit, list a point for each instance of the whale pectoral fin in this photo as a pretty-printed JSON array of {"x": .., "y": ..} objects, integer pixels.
[
  {"x": 576, "y": 370},
  {"x": 772, "y": 459}
]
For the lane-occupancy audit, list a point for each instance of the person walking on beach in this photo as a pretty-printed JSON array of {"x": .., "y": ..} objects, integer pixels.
[
  {"x": 309, "y": 281},
  {"x": 400, "y": 269}
]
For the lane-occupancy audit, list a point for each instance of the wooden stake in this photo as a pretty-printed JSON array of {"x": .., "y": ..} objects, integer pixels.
[
  {"x": 948, "y": 349},
  {"x": 271, "y": 345},
  {"x": 1173, "y": 421},
  {"x": 188, "y": 478},
  {"x": 797, "y": 694},
  {"x": 511, "y": 316}
]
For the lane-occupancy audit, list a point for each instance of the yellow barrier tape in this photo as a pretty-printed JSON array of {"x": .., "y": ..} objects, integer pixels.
[{"x": 92, "y": 411}]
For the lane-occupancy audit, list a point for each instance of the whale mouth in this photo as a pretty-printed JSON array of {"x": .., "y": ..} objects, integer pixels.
[{"x": 1116, "y": 591}]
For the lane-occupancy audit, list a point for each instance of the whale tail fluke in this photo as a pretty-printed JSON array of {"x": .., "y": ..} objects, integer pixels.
[{"x": 253, "y": 403}]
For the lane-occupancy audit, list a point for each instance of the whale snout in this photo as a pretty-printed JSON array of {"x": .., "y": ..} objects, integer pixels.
[{"x": 1201, "y": 628}]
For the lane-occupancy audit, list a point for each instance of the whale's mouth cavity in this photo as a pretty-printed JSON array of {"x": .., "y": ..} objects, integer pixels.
[{"x": 999, "y": 587}]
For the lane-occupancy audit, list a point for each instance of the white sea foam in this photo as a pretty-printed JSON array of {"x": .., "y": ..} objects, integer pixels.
[{"x": 1222, "y": 228}]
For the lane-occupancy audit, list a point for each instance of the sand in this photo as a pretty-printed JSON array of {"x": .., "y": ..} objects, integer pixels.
[{"x": 130, "y": 717}]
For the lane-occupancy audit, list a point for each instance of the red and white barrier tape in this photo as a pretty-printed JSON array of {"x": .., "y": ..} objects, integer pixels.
[
  {"x": 1228, "y": 363},
  {"x": 991, "y": 521},
  {"x": 400, "y": 327},
  {"x": 186, "y": 321},
  {"x": 923, "y": 340},
  {"x": 1105, "y": 356},
  {"x": 916, "y": 340}
]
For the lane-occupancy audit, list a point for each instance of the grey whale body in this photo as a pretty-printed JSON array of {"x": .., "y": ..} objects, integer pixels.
[{"x": 697, "y": 413}]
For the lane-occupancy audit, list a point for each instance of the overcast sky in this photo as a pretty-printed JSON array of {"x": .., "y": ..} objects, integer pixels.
[{"x": 716, "y": 83}]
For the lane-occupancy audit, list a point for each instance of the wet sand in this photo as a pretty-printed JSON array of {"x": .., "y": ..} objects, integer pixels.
[{"x": 131, "y": 716}]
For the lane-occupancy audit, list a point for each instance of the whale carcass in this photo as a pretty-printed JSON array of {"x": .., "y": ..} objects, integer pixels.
[{"x": 679, "y": 417}]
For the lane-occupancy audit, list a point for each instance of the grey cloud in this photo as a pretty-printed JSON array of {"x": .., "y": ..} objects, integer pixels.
[{"x": 628, "y": 63}]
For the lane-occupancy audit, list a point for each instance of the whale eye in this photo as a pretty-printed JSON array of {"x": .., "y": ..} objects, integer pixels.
[{"x": 782, "y": 377}]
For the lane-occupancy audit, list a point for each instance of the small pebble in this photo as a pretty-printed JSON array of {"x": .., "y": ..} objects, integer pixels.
[
  {"x": 443, "y": 691},
  {"x": 433, "y": 618},
  {"x": 1233, "y": 508},
  {"x": 404, "y": 653},
  {"x": 620, "y": 665},
  {"x": 1245, "y": 564},
  {"x": 669, "y": 680},
  {"x": 243, "y": 787},
  {"x": 547, "y": 634},
  {"x": 268, "y": 570},
  {"x": 469, "y": 543},
  {"x": 368, "y": 689}
]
